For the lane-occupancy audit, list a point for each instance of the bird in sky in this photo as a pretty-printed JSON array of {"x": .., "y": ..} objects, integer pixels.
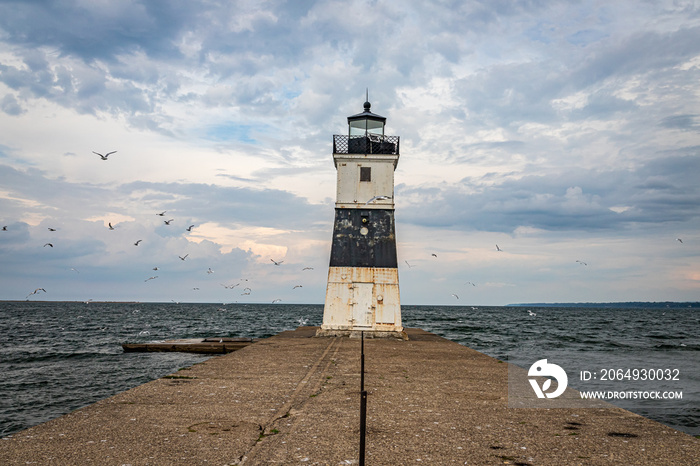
[
  {"x": 276, "y": 262},
  {"x": 531, "y": 313},
  {"x": 498, "y": 249},
  {"x": 581, "y": 262},
  {"x": 434, "y": 255},
  {"x": 307, "y": 268},
  {"x": 4, "y": 228},
  {"x": 137, "y": 242},
  {"x": 296, "y": 286},
  {"x": 75, "y": 270},
  {"x": 110, "y": 226},
  {"x": 155, "y": 268},
  {"x": 48, "y": 244},
  {"x": 378, "y": 198},
  {"x": 189, "y": 228},
  {"x": 276, "y": 300},
  {"x": 470, "y": 283},
  {"x": 679, "y": 240},
  {"x": 36, "y": 291},
  {"x": 104, "y": 157},
  {"x": 52, "y": 229},
  {"x": 209, "y": 270},
  {"x": 455, "y": 295},
  {"x": 162, "y": 213},
  {"x": 151, "y": 278},
  {"x": 167, "y": 222},
  {"x": 183, "y": 257},
  {"x": 409, "y": 265}
]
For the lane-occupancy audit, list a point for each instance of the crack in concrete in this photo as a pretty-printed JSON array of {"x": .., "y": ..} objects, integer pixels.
[{"x": 299, "y": 397}]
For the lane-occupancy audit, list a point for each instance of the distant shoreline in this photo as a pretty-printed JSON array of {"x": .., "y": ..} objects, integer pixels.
[{"x": 619, "y": 305}]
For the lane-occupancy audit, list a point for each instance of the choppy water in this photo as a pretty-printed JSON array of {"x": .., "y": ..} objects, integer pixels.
[{"x": 57, "y": 357}]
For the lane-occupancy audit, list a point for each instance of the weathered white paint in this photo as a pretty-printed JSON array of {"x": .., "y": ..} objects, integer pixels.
[
  {"x": 353, "y": 193},
  {"x": 362, "y": 308},
  {"x": 362, "y": 298}
]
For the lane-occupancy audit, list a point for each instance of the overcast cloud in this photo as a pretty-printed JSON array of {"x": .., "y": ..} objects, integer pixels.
[{"x": 561, "y": 131}]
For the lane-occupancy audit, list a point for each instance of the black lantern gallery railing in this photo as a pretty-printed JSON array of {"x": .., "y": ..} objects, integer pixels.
[{"x": 369, "y": 144}]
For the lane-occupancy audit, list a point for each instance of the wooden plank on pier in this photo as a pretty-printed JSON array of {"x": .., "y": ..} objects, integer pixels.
[{"x": 191, "y": 345}]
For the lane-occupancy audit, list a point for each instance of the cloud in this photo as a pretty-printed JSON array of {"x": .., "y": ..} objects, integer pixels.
[
  {"x": 534, "y": 121},
  {"x": 686, "y": 122},
  {"x": 662, "y": 191},
  {"x": 10, "y": 105}
]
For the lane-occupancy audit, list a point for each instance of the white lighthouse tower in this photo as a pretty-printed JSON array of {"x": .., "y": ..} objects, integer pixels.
[{"x": 363, "y": 281}]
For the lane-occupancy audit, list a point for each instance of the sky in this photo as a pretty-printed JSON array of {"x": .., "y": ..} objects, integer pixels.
[{"x": 565, "y": 132}]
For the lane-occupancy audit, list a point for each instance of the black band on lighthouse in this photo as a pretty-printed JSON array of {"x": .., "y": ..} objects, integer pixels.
[{"x": 364, "y": 238}]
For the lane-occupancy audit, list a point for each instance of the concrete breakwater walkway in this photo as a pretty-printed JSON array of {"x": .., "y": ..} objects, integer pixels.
[{"x": 294, "y": 399}]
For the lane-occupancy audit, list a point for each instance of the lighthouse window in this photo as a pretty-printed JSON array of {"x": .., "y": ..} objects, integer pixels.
[{"x": 365, "y": 173}]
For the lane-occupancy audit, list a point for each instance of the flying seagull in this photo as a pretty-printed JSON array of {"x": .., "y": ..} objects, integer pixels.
[
  {"x": 183, "y": 257},
  {"x": 679, "y": 240},
  {"x": 36, "y": 291},
  {"x": 167, "y": 222},
  {"x": 531, "y": 313},
  {"x": 155, "y": 268},
  {"x": 104, "y": 157},
  {"x": 434, "y": 255},
  {"x": 189, "y": 228},
  {"x": 137, "y": 242},
  {"x": 151, "y": 278},
  {"x": 4, "y": 228},
  {"x": 52, "y": 229},
  {"x": 297, "y": 286},
  {"x": 455, "y": 295},
  {"x": 581, "y": 262},
  {"x": 378, "y": 198},
  {"x": 409, "y": 265},
  {"x": 276, "y": 301},
  {"x": 307, "y": 268},
  {"x": 498, "y": 249},
  {"x": 48, "y": 244},
  {"x": 470, "y": 283},
  {"x": 110, "y": 226},
  {"x": 276, "y": 262},
  {"x": 162, "y": 213},
  {"x": 210, "y": 270}
]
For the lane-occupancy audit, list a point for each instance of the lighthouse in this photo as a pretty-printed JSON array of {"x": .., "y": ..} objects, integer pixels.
[{"x": 362, "y": 294}]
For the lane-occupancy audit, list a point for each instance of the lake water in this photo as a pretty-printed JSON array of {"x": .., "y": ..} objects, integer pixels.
[{"x": 57, "y": 357}]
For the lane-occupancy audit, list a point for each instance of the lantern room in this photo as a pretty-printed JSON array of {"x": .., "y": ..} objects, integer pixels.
[{"x": 366, "y": 123}]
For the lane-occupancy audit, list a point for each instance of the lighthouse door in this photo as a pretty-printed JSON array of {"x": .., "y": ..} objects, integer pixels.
[{"x": 362, "y": 304}]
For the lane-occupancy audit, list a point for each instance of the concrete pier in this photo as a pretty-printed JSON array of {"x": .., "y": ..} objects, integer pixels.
[{"x": 294, "y": 399}]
